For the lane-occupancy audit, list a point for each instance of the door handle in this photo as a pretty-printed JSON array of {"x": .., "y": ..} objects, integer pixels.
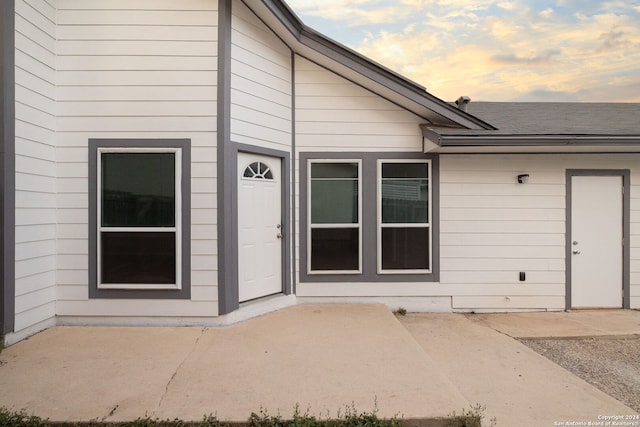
[
  {"x": 576, "y": 252},
  {"x": 279, "y": 235}
]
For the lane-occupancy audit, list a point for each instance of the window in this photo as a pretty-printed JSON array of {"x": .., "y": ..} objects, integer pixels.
[
  {"x": 404, "y": 212},
  {"x": 334, "y": 207},
  {"x": 258, "y": 170},
  {"x": 369, "y": 217},
  {"x": 139, "y": 220}
]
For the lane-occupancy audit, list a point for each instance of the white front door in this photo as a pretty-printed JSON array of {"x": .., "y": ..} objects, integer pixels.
[
  {"x": 259, "y": 226},
  {"x": 596, "y": 242}
]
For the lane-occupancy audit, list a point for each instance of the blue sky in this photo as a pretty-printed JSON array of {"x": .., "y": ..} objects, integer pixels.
[{"x": 495, "y": 50}]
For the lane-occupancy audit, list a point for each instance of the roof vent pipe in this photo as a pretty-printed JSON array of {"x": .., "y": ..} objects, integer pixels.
[{"x": 462, "y": 102}]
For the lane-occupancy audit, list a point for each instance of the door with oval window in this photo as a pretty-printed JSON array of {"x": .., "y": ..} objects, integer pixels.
[{"x": 260, "y": 233}]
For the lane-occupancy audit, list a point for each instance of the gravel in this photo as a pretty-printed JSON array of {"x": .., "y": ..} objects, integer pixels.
[{"x": 611, "y": 364}]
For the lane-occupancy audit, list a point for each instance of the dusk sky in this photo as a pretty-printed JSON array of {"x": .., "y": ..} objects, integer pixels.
[{"x": 494, "y": 50}]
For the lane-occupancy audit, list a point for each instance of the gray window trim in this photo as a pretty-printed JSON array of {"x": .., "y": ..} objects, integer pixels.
[
  {"x": 227, "y": 163},
  {"x": 369, "y": 223},
  {"x": 287, "y": 225},
  {"x": 626, "y": 230},
  {"x": 293, "y": 154},
  {"x": 7, "y": 168},
  {"x": 185, "y": 291},
  {"x": 227, "y": 173},
  {"x": 229, "y": 287}
]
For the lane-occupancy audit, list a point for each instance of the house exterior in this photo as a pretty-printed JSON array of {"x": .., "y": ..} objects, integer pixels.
[{"x": 204, "y": 161}]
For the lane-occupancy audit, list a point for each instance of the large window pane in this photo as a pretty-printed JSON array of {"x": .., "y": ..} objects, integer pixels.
[
  {"x": 138, "y": 258},
  {"x": 405, "y": 201},
  {"x": 335, "y": 249},
  {"x": 138, "y": 189},
  {"x": 334, "y": 201},
  {"x": 405, "y": 248}
]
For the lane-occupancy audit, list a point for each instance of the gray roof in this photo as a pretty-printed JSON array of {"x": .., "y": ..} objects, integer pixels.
[
  {"x": 557, "y": 125},
  {"x": 556, "y": 118}
]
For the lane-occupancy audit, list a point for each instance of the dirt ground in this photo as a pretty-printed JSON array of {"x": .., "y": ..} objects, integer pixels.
[{"x": 611, "y": 364}]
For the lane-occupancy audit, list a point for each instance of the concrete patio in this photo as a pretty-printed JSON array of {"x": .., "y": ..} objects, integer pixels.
[{"x": 320, "y": 357}]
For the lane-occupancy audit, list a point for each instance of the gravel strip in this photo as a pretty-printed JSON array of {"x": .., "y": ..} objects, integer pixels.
[{"x": 611, "y": 364}]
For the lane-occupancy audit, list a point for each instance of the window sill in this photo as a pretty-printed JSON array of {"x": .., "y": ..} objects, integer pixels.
[
  {"x": 401, "y": 272},
  {"x": 129, "y": 286},
  {"x": 334, "y": 272}
]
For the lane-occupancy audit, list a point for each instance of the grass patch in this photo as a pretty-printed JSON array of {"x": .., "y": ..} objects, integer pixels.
[
  {"x": 401, "y": 311},
  {"x": 469, "y": 417},
  {"x": 347, "y": 418}
]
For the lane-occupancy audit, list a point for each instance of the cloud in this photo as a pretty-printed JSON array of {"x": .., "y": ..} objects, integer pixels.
[
  {"x": 353, "y": 13},
  {"x": 613, "y": 40},
  {"x": 544, "y": 95},
  {"x": 500, "y": 49},
  {"x": 507, "y": 5},
  {"x": 536, "y": 59},
  {"x": 547, "y": 13}
]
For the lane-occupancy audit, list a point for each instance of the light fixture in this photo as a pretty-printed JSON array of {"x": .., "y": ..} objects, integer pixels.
[{"x": 523, "y": 178}]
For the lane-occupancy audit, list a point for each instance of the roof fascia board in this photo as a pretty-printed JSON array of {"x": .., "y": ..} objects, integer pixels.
[
  {"x": 547, "y": 149},
  {"x": 368, "y": 68},
  {"x": 532, "y": 140},
  {"x": 504, "y": 143},
  {"x": 286, "y": 16}
]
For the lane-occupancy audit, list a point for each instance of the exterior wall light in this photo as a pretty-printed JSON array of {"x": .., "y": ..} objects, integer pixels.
[{"x": 523, "y": 178}]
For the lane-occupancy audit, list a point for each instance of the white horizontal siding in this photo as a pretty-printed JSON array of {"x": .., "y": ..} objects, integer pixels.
[
  {"x": 334, "y": 114},
  {"x": 508, "y": 303},
  {"x": 67, "y": 15},
  {"x": 34, "y": 316},
  {"x": 135, "y": 69},
  {"x": 136, "y": 32},
  {"x": 261, "y": 91},
  {"x": 492, "y": 228},
  {"x": 35, "y": 213},
  {"x": 382, "y": 289},
  {"x": 138, "y": 93},
  {"x": 635, "y": 237},
  {"x": 133, "y": 308}
]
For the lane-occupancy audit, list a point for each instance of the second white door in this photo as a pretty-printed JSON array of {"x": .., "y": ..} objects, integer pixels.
[
  {"x": 596, "y": 242},
  {"x": 259, "y": 226}
]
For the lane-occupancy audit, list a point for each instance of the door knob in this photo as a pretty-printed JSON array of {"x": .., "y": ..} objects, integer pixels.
[
  {"x": 279, "y": 235},
  {"x": 576, "y": 252}
]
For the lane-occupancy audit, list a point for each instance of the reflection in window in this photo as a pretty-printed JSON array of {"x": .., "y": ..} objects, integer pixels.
[
  {"x": 334, "y": 238},
  {"x": 138, "y": 218},
  {"x": 404, "y": 226},
  {"x": 258, "y": 170}
]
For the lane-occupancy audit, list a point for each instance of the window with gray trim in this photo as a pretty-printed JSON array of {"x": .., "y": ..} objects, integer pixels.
[
  {"x": 139, "y": 218},
  {"x": 334, "y": 226},
  {"x": 423, "y": 266},
  {"x": 404, "y": 237},
  {"x": 138, "y": 209}
]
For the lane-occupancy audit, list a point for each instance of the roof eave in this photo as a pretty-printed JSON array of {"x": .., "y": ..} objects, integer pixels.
[
  {"x": 378, "y": 73},
  {"x": 504, "y": 142}
]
